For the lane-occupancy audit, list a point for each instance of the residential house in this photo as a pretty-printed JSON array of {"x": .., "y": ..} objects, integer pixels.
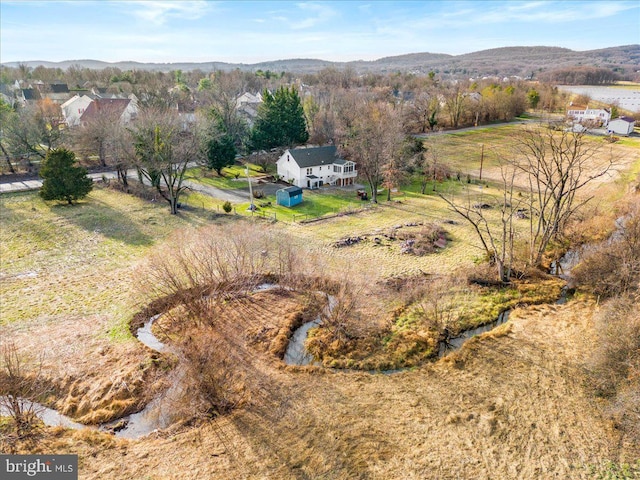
[
  {"x": 312, "y": 167},
  {"x": 73, "y": 109},
  {"x": 622, "y": 126},
  {"x": 26, "y": 96},
  {"x": 247, "y": 106},
  {"x": 56, "y": 92},
  {"x": 289, "y": 196},
  {"x": 583, "y": 114},
  {"x": 124, "y": 109}
]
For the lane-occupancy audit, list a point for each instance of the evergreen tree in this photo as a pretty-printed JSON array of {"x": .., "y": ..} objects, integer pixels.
[
  {"x": 221, "y": 152},
  {"x": 63, "y": 180},
  {"x": 281, "y": 121}
]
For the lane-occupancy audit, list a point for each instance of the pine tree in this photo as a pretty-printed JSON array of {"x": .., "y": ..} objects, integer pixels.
[
  {"x": 281, "y": 121},
  {"x": 221, "y": 152},
  {"x": 63, "y": 180}
]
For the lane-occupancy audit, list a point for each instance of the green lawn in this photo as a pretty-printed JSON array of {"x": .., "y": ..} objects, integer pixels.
[
  {"x": 315, "y": 203},
  {"x": 228, "y": 180}
]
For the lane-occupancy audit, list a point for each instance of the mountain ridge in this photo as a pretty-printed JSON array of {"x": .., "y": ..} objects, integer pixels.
[{"x": 517, "y": 60}]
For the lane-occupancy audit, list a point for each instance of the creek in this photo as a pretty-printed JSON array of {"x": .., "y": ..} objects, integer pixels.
[
  {"x": 160, "y": 412},
  {"x": 297, "y": 354}
]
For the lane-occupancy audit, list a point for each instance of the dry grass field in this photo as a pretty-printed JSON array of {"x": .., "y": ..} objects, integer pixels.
[{"x": 509, "y": 405}]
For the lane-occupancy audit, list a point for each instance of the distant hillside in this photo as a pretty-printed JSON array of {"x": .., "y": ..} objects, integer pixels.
[{"x": 507, "y": 61}]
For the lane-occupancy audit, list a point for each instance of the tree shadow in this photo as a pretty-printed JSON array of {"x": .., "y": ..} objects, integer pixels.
[{"x": 96, "y": 216}]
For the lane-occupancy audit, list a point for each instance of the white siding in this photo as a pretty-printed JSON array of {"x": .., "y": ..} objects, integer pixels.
[{"x": 620, "y": 127}]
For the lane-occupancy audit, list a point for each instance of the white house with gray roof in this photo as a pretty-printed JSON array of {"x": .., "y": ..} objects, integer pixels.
[{"x": 312, "y": 167}]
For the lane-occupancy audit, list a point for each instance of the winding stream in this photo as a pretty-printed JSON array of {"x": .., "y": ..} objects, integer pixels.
[
  {"x": 296, "y": 353},
  {"x": 159, "y": 413}
]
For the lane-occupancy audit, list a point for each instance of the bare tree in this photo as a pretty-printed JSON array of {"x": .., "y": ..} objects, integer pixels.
[
  {"x": 164, "y": 146},
  {"x": 99, "y": 134},
  {"x": 422, "y": 113},
  {"x": 35, "y": 130},
  {"x": 455, "y": 104},
  {"x": 373, "y": 142},
  {"x": 497, "y": 242},
  {"x": 558, "y": 166}
]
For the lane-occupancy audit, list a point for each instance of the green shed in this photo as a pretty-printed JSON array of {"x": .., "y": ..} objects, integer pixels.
[{"x": 289, "y": 196}]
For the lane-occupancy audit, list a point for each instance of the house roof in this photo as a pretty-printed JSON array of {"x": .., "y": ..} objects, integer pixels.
[
  {"x": 626, "y": 119},
  {"x": 29, "y": 93},
  {"x": 101, "y": 106},
  {"x": 342, "y": 161},
  {"x": 291, "y": 191},
  {"x": 59, "y": 88},
  {"x": 314, "y": 156}
]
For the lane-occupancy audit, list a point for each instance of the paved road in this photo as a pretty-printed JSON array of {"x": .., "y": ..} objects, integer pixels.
[
  {"x": 36, "y": 183},
  {"x": 240, "y": 195}
]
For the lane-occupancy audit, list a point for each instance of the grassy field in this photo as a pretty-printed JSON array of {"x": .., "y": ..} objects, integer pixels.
[{"x": 510, "y": 405}]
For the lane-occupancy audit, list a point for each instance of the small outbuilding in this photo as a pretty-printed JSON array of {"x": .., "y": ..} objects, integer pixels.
[
  {"x": 622, "y": 126},
  {"x": 289, "y": 196}
]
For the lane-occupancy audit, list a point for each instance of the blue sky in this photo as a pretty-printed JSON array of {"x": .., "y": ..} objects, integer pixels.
[{"x": 254, "y": 31}]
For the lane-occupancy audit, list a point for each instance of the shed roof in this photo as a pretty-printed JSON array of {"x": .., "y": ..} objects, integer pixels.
[
  {"x": 314, "y": 156},
  {"x": 291, "y": 191},
  {"x": 626, "y": 119}
]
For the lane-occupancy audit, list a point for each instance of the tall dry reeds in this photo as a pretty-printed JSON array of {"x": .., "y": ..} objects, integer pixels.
[{"x": 21, "y": 386}]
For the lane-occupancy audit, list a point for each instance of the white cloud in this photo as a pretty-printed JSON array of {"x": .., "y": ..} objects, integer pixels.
[
  {"x": 321, "y": 13},
  {"x": 159, "y": 11}
]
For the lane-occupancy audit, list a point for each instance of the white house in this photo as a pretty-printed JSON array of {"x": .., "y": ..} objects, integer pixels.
[
  {"x": 583, "y": 114},
  {"x": 622, "y": 126},
  {"x": 73, "y": 109},
  {"x": 312, "y": 167}
]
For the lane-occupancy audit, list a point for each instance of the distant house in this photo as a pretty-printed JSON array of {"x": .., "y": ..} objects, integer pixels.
[
  {"x": 622, "y": 126},
  {"x": 123, "y": 109},
  {"x": 247, "y": 106},
  {"x": 26, "y": 96},
  {"x": 583, "y": 114},
  {"x": 73, "y": 109},
  {"x": 56, "y": 92},
  {"x": 289, "y": 196},
  {"x": 313, "y": 167}
]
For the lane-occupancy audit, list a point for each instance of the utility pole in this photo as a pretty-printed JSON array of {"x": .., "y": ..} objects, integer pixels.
[{"x": 252, "y": 207}]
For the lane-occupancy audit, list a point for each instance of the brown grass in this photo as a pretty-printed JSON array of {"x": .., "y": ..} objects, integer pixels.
[{"x": 523, "y": 418}]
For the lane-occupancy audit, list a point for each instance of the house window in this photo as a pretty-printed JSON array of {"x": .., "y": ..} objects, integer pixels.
[
  {"x": 337, "y": 169},
  {"x": 309, "y": 171},
  {"x": 348, "y": 168}
]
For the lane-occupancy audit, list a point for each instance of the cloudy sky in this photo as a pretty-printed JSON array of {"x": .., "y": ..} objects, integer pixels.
[{"x": 254, "y": 31}]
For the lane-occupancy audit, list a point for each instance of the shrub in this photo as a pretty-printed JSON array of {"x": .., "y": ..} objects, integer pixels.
[
  {"x": 19, "y": 387},
  {"x": 614, "y": 366},
  {"x": 613, "y": 267},
  {"x": 227, "y": 207},
  {"x": 62, "y": 179}
]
